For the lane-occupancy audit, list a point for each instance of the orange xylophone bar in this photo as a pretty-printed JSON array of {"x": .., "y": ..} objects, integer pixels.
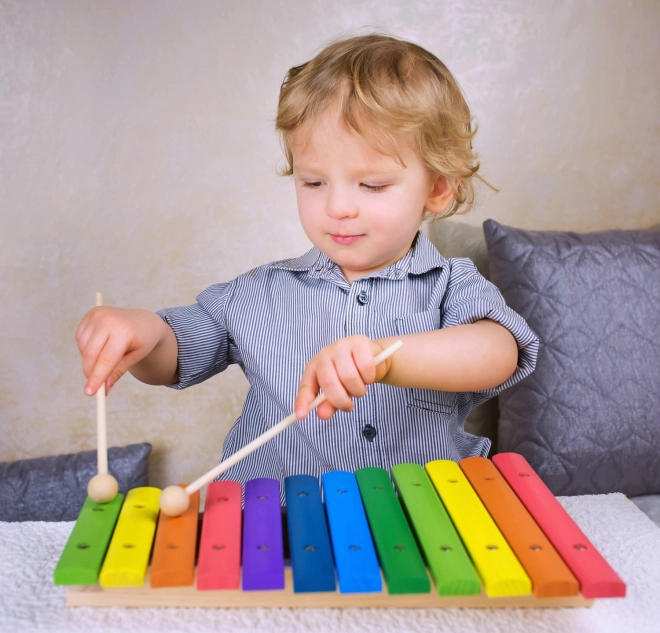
[{"x": 550, "y": 575}]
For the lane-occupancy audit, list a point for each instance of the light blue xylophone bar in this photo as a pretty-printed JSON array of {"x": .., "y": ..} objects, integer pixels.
[{"x": 355, "y": 556}]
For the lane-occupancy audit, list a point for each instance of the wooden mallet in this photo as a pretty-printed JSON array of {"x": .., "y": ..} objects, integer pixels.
[
  {"x": 174, "y": 500},
  {"x": 103, "y": 487}
]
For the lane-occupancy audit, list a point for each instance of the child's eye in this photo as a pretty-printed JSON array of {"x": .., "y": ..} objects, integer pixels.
[
  {"x": 312, "y": 185},
  {"x": 374, "y": 188}
]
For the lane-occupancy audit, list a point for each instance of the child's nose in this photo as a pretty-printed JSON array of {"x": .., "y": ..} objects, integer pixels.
[{"x": 340, "y": 204}]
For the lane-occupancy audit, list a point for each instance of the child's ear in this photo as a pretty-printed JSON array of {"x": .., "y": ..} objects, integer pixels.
[{"x": 440, "y": 196}]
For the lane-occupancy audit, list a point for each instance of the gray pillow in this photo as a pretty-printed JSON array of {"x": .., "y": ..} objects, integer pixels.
[
  {"x": 588, "y": 418},
  {"x": 456, "y": 239},
  {"x": 55, "y": 488}
]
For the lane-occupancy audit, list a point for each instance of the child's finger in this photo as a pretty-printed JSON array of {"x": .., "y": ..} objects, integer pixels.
[
  {"x": 85, "y": 339},
  {"x": 105, "y": 366},
  {"x": 349, "y": 376},
  {"x": 83, "y": 323},
  {"x": 122, "y": 367},
  {"x": 363, "y": 359},
  {"x": 332, "y": 385},
  {"x": 307, "y": 391},
  {"x": 80, "y": 333},
  {"x": 86, "y": 328},
  {"x": 91, "y": 346},
  {"x": 326, "y": 410}
]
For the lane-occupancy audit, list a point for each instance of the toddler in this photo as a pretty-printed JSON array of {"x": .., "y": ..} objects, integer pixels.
[{"x": 377, "y": 136}]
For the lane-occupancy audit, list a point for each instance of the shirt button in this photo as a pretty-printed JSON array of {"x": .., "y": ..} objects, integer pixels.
[
  {"x": 363, "y": 297},
  {"x": 369, "y": 432}
]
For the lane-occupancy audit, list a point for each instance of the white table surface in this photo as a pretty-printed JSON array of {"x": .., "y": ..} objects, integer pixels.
[{"x": 621, "y": 532}]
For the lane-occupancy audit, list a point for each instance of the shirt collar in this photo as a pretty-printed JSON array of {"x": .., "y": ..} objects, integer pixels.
[{"x": 421, "y": 258}]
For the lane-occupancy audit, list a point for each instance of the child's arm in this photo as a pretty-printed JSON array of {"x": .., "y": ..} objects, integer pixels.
[
  {"x": 470, "y": 357},
  {"x": 115, "y": 340}
]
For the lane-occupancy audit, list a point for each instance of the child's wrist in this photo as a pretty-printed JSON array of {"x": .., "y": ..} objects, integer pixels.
[{"x": 384, "y": 368}]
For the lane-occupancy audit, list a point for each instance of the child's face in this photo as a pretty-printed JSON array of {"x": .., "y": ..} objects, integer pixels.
[{"x": 358, "y": 206}]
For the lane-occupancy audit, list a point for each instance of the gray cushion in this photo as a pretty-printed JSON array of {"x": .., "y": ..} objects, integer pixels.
[
  {"x": 588, "y": 418},
  {"x": 456, "y": 239},
  {"x": 55, "y": 488}
]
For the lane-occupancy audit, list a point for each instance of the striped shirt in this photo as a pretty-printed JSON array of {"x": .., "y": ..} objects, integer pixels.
[{"x": 273, "y": 319}]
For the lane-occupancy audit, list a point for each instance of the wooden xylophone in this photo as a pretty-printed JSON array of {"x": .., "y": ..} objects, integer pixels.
[{"x": 473, "y": 534}]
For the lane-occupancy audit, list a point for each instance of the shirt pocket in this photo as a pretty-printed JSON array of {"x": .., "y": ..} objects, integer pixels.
[{"x": 443, "y": 402}]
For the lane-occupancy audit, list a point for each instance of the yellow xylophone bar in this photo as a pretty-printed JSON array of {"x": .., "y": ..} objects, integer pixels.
[
  {"x": 496, "y": 564},
  {"x": 126, "y": 562}
]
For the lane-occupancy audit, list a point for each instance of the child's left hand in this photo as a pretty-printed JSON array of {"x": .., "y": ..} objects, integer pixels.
[{"x": 342, "y": 370}]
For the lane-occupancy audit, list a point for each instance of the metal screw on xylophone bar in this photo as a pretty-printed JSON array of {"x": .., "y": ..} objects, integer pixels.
[
  {"x": 103, "y": 487},
  {"x": 174, "y": 500}
]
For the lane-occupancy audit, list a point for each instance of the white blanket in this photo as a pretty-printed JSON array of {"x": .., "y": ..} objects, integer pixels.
[{"x": 623, "y": 534}]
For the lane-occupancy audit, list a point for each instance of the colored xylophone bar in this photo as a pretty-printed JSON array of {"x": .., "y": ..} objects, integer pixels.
[{"x": 474, "y": 534}]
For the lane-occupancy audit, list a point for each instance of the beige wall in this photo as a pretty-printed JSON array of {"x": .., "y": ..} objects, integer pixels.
[{"x": 137, "y": 157}]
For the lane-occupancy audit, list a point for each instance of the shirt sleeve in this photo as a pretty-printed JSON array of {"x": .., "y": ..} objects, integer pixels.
[
  {"x": 470, "y": 297},
  {"x": 205, "y": 346}
]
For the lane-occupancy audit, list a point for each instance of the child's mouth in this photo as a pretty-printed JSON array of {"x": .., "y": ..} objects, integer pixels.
[{"x": 345, "y": 239}]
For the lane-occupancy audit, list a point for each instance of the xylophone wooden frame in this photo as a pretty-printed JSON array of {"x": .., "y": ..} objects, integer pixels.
[{"x": 146, "y": 596}]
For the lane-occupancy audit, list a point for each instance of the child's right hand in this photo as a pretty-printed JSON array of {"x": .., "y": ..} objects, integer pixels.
[
  {"x": 112, "y": 340},
  {"x": 342, "y": 371}
]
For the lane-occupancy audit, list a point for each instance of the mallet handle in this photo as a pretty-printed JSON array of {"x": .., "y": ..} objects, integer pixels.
[{"x": 101, "y": 435}]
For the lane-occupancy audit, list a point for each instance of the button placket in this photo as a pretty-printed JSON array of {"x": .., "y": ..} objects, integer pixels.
[
  {"x": 358, "y": 321},
  {"x": 358, "y": 309}
]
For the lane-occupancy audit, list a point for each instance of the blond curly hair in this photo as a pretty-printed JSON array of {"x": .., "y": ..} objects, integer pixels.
[{"x": 388, "y": 90}]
